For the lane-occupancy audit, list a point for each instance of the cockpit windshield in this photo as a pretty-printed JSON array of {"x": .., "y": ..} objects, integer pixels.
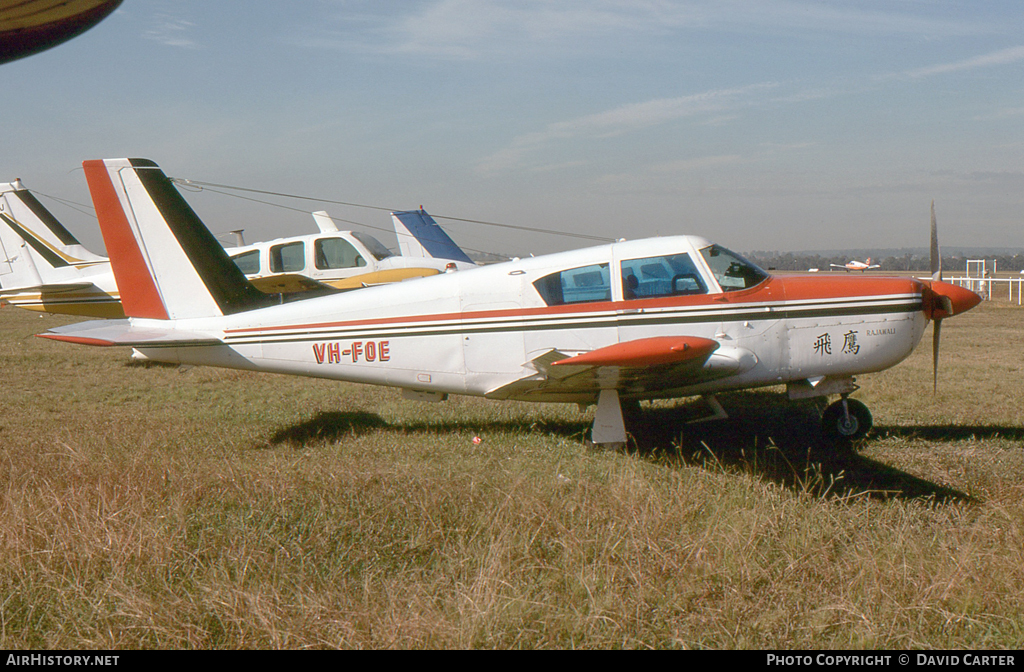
[
  {"x": 375, "y": 247},
  {"x": 732, "y": 271}
]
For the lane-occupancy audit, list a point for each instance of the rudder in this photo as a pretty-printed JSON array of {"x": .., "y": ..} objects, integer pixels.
[{"x": 167, "y": 263}]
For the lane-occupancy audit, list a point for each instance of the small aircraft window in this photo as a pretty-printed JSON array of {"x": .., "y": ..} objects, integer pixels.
[
  {"x": 248, "y": 262},
  {"x": 576, "y": 285},
  {"x": 375, "y": 247},
  {"x": 331, "y": 253},
  {"x": 670, "y": 275},
  {"x": 288, "y": 258},
  {"x": 732, "y": 271}
]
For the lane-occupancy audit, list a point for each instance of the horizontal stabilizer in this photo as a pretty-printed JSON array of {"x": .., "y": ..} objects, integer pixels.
[
  {"x": 420, "y": 236},
  {"x": 108, "y": 333}
]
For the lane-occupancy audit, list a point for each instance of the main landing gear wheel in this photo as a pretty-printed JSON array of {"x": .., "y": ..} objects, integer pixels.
[{"x": 846, "y": 421}]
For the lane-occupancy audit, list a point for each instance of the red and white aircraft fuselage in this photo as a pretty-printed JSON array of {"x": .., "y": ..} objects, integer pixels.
[{"x": 656, "y": 318}]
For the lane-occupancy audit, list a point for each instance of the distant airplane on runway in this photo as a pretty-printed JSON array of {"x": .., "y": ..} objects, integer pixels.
[{"x": 857, "y": 265}]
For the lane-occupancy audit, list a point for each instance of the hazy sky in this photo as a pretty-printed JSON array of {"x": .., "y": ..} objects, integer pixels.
[{"x": 762, "y": 125}]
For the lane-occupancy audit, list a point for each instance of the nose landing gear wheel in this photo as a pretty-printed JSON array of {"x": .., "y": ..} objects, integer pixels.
[{"x": 846, "y": 421}]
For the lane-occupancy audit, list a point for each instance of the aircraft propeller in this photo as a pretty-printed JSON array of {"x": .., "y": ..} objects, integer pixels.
[{"x": 938, "y": 304}]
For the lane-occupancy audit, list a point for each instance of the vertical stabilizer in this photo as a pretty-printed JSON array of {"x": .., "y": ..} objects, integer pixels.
[
  {"x": 17, "y": 268},
  {"x": 324, "y": 222},
  {"x": 24, "y": 218},
  {"x": 167, "y": 263},
  {"x": 420, "y": 236}
]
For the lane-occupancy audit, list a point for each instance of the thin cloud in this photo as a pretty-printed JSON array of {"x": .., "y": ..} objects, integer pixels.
[
  {"x": 172, "y": 32},
  {"x": 471, "y": 29},
  {"x": 620, "y": 120},
  {"x": 700, "y": 163},
  {"x": 1004, "y": 113},
  {"x": 1002, "y": 57}
]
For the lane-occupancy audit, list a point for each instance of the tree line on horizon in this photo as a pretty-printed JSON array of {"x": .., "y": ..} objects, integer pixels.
[{"x": 798, "y": 261}]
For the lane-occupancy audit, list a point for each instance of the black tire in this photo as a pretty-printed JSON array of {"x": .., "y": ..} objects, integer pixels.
[{"x": 841, "y": 430}]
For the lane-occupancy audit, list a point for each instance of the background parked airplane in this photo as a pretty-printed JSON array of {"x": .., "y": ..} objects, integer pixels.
[
  {"x": 349, "y": 259},
  {"x": 43, "y": 267}
]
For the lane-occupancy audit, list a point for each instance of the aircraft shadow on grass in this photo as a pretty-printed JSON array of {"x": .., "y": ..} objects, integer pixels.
[{"x": 765, "y": 435}]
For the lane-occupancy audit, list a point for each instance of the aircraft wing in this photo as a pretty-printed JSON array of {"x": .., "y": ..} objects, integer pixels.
[
  {"x": 48, "y": 288},
  {"x": 290, "y": 283},
  {"x": 107, "y": 333},
  {"x": 641, "y": 367}
]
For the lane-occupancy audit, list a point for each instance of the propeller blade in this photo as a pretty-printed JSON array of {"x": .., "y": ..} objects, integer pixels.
[
  {"x": 936, "y": 255},
  {"x": 935, "y": 356}
]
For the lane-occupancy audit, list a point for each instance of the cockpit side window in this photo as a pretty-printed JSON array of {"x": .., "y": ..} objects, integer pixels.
[
  {"x": 669, "y": 275},
  {"x": 576, "y": 285},
  {"x": 732, "y": 271},
  {"x": 248, "y": 262}
]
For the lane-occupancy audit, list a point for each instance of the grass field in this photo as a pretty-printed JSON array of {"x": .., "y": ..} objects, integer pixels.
[{"x": 154, "y": 507}]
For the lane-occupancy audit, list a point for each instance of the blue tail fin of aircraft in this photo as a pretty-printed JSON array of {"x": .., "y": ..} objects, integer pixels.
[{"x": 420, "y": 236}]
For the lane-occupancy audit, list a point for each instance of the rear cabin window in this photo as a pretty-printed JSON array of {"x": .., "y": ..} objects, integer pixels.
[
  {"x": 248, "y": 262},
  {"x": 288, "y": 258},
  {"x": 332, "y": 253},
  {"x": 670, "y": 275},
  {"x": 576, "y": 285}
]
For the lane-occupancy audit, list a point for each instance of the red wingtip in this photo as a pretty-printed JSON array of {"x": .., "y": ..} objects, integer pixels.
[{"x": 78, "y": 340}]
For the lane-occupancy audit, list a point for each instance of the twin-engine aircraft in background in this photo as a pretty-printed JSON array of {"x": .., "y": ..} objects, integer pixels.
[
  {"x": 658, "y": 318},
  {"x": 855, "y": 265},
  {"x": 44, "y": 268}
]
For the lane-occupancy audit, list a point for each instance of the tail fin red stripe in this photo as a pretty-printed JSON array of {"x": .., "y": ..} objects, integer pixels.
[{"x": 139, "y": 294}]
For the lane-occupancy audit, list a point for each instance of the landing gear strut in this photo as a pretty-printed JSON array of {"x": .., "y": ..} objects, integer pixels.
[{"x": 846, "y": 421}]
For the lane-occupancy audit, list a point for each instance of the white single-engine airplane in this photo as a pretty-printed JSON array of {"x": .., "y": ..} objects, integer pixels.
[
  {"x": 657, "y": 318},
  {"x": 334, "y": 259},
  {"x": 44, "y": 268},
  {"x": 856, "y": 265}
]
